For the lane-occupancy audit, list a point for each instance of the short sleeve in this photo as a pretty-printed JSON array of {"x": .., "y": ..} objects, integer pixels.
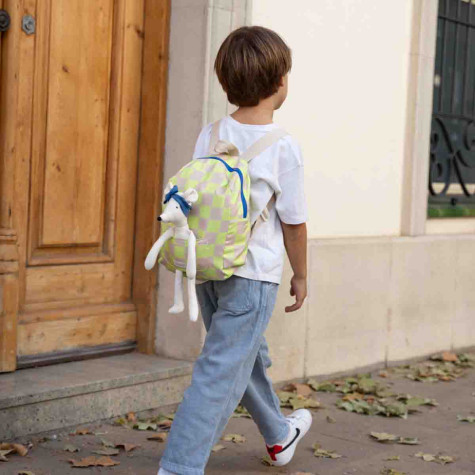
[
  {"x": 290, "y": 203},
  {"x": 202, "y": 142}
]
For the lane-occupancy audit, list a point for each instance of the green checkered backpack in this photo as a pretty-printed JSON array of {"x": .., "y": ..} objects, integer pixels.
[{"x": 220, "y": 217}]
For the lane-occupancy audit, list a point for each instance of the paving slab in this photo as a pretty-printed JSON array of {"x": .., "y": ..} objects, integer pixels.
[{"x": 437, "y": 428}]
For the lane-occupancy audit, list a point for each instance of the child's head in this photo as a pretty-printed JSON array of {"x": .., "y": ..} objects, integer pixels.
[{"x": 252, "y": 64}]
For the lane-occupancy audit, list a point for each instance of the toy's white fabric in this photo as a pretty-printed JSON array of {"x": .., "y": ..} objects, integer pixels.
[
  {"x": 174, "y": 212},
  {"x": 279, "y": 170}
]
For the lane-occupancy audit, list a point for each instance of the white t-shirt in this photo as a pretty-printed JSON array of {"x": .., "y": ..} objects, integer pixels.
[{"x": 279, "y": 170}]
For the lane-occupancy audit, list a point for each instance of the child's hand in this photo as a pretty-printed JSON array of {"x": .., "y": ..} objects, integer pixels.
[{"x": 298, "y": 289}]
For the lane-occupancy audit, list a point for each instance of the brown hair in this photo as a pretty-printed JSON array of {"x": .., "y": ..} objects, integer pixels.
[{"x": 250, "y": 64}]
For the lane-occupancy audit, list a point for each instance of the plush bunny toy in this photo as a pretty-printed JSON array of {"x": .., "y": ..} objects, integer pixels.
[{"x": 176, "y": 212}]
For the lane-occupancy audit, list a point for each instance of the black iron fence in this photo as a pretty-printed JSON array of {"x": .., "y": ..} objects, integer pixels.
[{"x": 452, "y": 149}]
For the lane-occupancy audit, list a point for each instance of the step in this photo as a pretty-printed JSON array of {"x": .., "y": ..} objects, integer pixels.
[{"x": 51, "y": 397}]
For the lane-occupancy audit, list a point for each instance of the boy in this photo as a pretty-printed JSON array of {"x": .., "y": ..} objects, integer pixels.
[{"x": 252, "y": 66}]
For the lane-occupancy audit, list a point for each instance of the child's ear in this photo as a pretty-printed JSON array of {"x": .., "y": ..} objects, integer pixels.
[{"x": 190, "y": 195}]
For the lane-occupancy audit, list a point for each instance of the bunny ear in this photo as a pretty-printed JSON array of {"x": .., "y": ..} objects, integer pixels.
[
  {"x": 167, "y": 188},
  {"x": 190, "y": 195}
]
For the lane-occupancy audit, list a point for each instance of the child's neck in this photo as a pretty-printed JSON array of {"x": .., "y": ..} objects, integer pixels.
[{"x": 262, "y": 114}]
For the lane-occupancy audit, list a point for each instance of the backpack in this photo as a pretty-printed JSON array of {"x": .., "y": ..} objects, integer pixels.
[{"x": 220, "y": 218}]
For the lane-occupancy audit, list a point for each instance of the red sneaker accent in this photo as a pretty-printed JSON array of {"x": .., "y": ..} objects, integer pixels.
[{"x": 275, "y": 449}]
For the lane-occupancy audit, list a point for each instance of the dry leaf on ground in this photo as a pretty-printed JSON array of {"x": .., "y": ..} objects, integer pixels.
[
  {"x": 384, "y": 437},
  {"x": 217, "y": 448},
  {"x": 266, "y": 460},
  {"x": 81, "y": 431},
  {"x": 127, "y": 447},
  {"x": 160, "y": 437},
  {"x": 323, "y": 453},
  {"x": 20, "y": 449},
  {"x": 469, "y": 419},
  {"x": 106, "y": 451},
  {"x": 92, "y": 461},
  {"x": 442, "y": 459},
  {"x": 70, "y": 448},
  {"x": 299, "y": 388},
  {"x": 236, "y": 438}
]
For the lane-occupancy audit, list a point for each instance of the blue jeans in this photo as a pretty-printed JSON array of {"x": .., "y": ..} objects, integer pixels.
[{"x": 230, "y": 369}]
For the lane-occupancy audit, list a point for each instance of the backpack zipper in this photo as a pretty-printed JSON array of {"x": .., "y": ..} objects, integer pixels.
[{"x": 241, "y": 178}]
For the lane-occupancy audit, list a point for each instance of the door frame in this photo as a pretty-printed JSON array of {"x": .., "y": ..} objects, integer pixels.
[
  {"x": 15, "y": 146},
  {"x": 150, "y": 166}
]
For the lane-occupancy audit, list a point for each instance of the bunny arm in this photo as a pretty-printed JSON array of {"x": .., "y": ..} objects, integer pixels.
[
  {"x": 191, "y": 260},
  {"x": 155, "y": 250}
]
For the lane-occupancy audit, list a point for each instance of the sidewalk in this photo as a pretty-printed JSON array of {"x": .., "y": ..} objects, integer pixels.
[{"x": 436, "y": 427}]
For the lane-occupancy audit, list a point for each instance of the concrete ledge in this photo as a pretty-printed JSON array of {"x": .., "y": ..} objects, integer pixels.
[
  {"x": 51, "y": 397},
  {"x": 375, "y": 300}
]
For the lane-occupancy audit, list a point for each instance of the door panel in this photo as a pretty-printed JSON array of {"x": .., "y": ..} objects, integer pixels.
[
  {"x": 84, "y": 135},
  {"x": 73, "y": 156}
]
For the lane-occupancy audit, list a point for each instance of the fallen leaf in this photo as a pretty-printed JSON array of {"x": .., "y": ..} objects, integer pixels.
[
  {"x": 469, "y": 419},
  {"x": 425, "y": 457},
  {"x": 107, "y": 443},
  {"x": 145, "y": 426},
  {"x": 92, "y": 461},
  {"x": 127, "y": 447},
  {"x": 3, "y": 453},
  {"x": 383, "y": 374},
  {"x": 325, "y": 386},
  {"x": 81, "y": 431},
  {"x": 25, "y": 472},
  {"x": 217, "y": 448},
  {"x": 445, "y": 459},
  {"x": 266, "y": 460},
  {"x": 70, "y": 448},
  {"x": 18, "y": 448},
  {"x": 236, "y": 438},
  {"x": 165, "y": 424},
  {"x": 299, "y": 388},
  {"x": 331, "y": 420},
  {"x": 445, "y": 356},
  {"x": 322, "y": 453},
  {"x": 442, "y": 459},
  {"x": 300, "y": 402},
  {"x": 131, "y": 417},
  {"x": 241, "y": 411},
  {"x": 159, "y": 436},
  {"x": 391, "y": 471},
  {"x": 393, "y": 458},
  {"x": 384, "y": 437},
  {"x": 408, "y": 441},
  {"x": 106, "y": 451}
]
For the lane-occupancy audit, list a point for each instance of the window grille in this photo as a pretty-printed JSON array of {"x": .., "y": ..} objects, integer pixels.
[{"x": 452, "y": 142}]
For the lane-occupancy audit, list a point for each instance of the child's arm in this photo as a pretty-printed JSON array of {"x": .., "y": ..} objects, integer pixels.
[{"x": 295, "y": 240}]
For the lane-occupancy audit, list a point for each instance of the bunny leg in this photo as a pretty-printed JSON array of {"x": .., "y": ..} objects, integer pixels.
[
  {"x": 192, "y": 300},
  {"x": 178, "y": 305}
]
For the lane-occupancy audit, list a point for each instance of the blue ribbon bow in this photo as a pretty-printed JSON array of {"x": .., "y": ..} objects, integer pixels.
[{"x": 184, "y": 205}]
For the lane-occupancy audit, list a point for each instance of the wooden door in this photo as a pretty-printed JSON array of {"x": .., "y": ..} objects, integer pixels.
[{"x": 80, "y": 87}]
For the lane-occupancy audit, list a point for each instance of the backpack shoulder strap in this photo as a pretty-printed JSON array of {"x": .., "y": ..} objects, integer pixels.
[
  {"x": 264, "y": 142},
  {"x": 214, "y": 136}
]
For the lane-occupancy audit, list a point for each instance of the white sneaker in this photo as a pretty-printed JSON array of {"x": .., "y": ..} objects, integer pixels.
[{"x": 299, "y": 422}]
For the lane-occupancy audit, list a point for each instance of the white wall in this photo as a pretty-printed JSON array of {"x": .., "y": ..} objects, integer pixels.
[{"x": 347, "y": 107}]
